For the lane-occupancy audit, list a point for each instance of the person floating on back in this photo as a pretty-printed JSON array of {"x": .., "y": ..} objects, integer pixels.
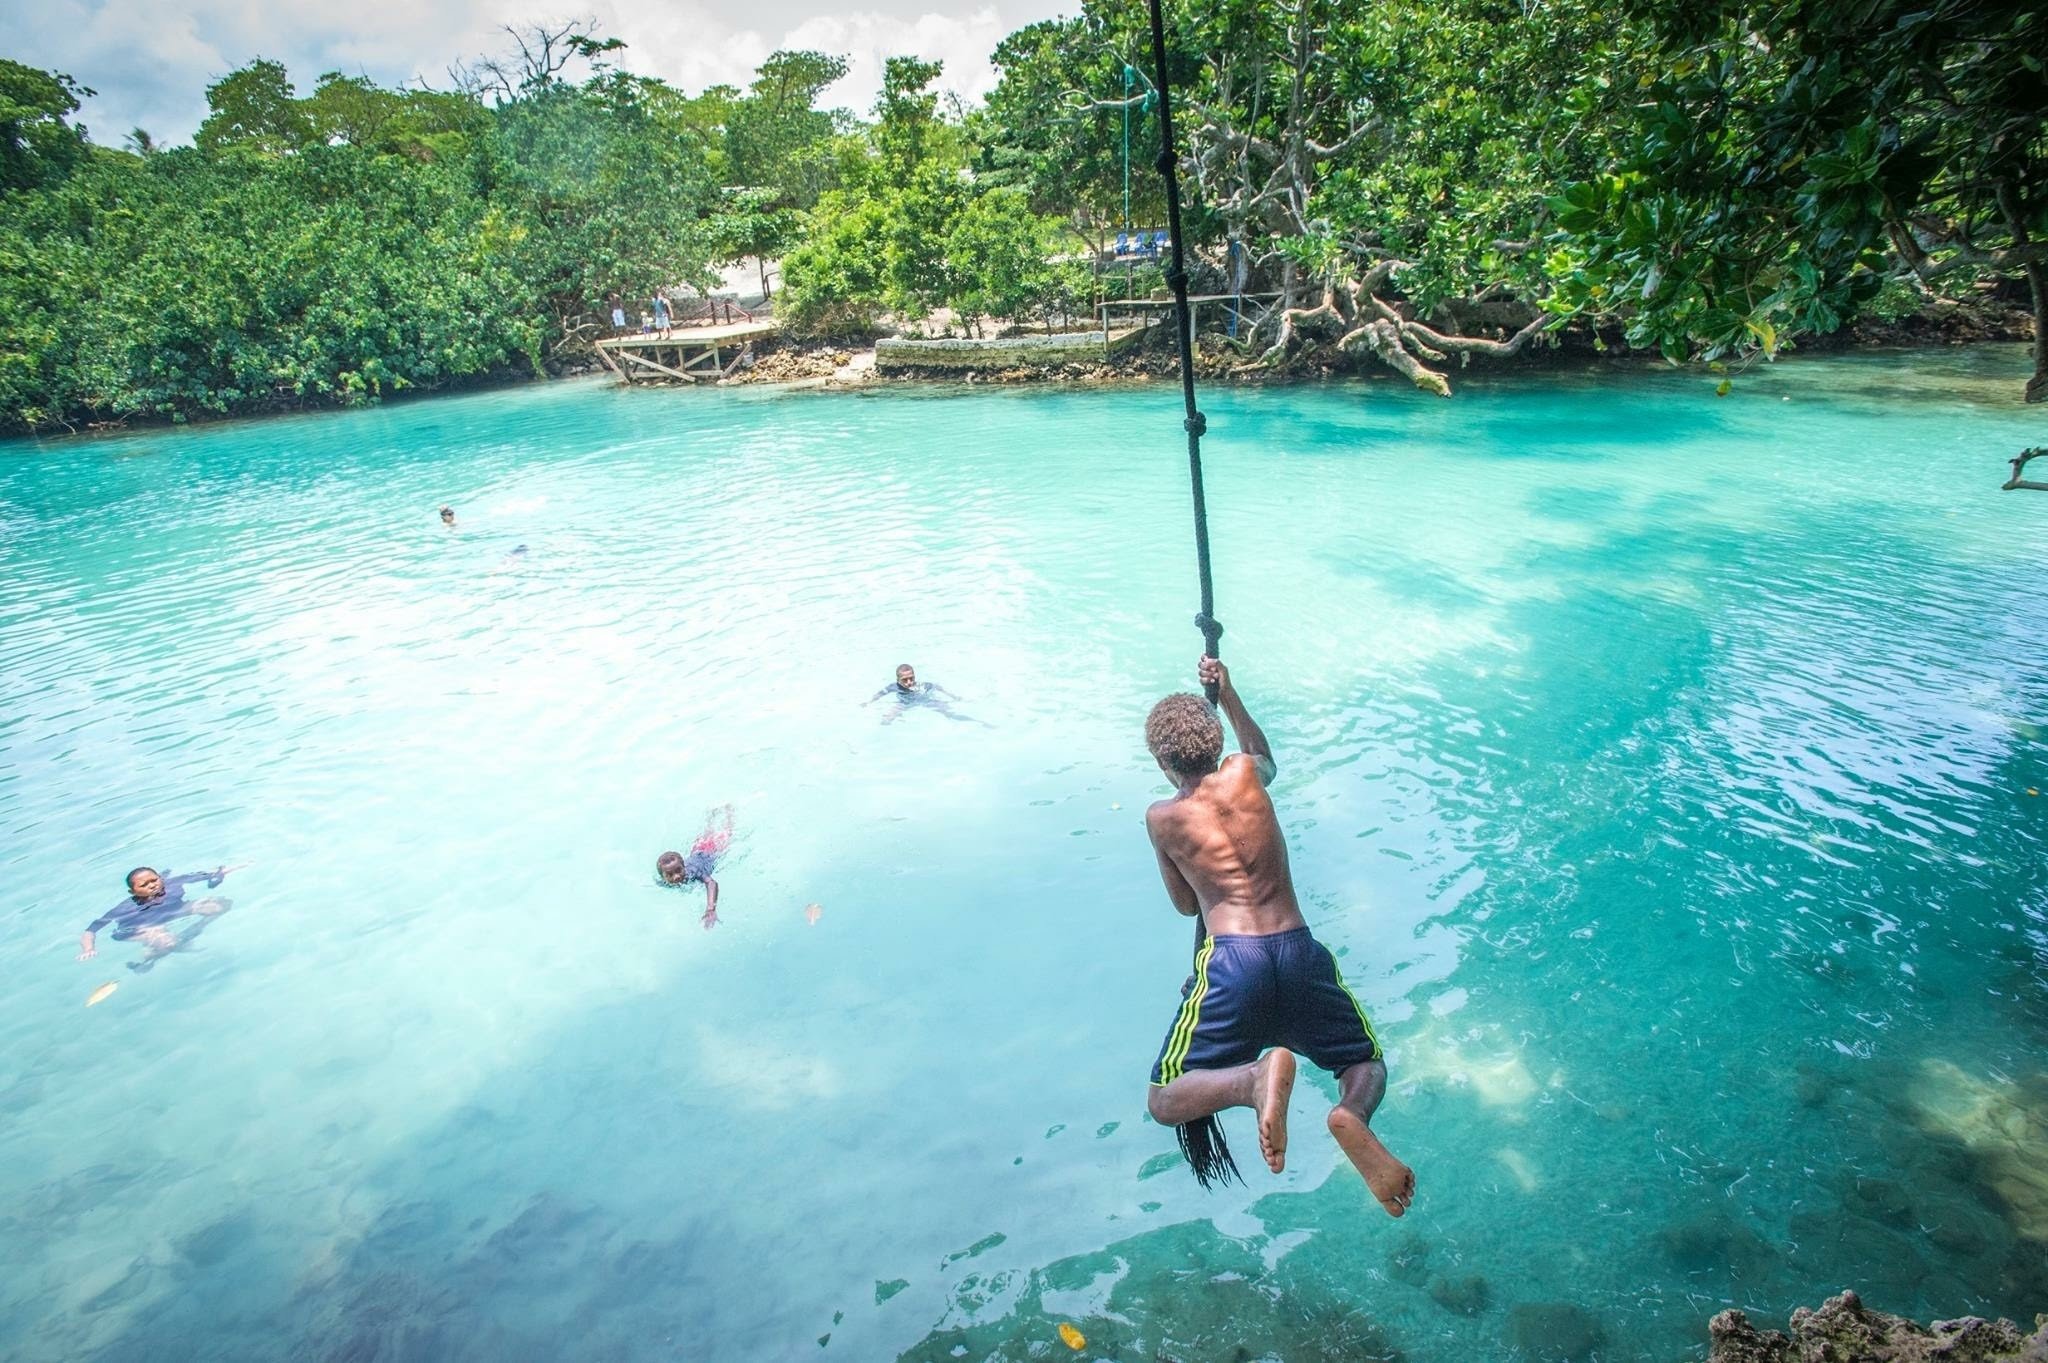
[
  {"x": 677, "y": 870},
  {"x": 907, "y": 691},
  {"x": 154, "y": 900},
  {"x": 1261, "y": 980}
]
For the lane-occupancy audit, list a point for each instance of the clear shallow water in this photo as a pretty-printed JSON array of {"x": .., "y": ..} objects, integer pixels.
[{"x": 1658, "y": 763}]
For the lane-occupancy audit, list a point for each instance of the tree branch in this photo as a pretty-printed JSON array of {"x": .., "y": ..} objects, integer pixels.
[
  {"x": 1473, "y": 345},
  {"x": 1383, "y": 338},
  {"x": 2019, "y": 484}
]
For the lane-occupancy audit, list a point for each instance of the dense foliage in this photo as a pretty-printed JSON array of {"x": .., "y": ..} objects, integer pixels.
[
  {"x": 1414, "y": 183},
  {"x": 1780, "y": 162},
  {"x": 1429, "y": 182},
  {"x": 911, "y": 229},
  {"x": 335, "y": 246}
]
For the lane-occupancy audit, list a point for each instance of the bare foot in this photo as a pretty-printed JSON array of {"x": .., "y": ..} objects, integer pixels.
[
  {"x": 1274, "y": 1081},
  {"x": 1391, "y": 1181}
]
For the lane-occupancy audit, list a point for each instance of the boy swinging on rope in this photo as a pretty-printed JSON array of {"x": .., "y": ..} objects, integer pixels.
[{"x": 1260, "y": 979}]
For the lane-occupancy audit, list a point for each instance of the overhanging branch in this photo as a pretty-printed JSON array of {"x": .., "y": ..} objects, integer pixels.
[{"x": 2019, "y": 484}]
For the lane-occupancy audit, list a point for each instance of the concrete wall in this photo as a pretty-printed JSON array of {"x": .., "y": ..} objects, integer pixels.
[{"x": 1073, "y": 347}]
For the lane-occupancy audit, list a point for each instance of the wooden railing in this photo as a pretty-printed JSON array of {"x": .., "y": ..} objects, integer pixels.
[{"x": 714, "y": 312}]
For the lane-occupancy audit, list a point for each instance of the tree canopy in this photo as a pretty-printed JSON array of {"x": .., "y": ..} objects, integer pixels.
[
  {"x": 1419, "y": 184},
  {"x": 338, "y": 245}
]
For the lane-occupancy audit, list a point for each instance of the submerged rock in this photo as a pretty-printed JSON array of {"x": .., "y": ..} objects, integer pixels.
[
  {"x": 1466, "y": 1296},
  {"x": 1555, "y": 1331},
  {"x": 1409, "y": 1263},
  {"x": 1715, "y": 1243},
  {"x": 1845, "y": 1331}
]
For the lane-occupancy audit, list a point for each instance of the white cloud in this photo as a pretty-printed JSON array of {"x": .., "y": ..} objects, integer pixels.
[
  {"x": 868, "y": 39},
  {"x": 151, "y": 63}
]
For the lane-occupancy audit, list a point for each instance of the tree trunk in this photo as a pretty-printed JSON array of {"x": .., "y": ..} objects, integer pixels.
[
  {"x": 2037, "y": 285},
  {"x": 2037, "y": 281}
]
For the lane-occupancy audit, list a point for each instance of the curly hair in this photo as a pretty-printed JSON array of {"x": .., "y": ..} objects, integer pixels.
[{"x": 1184, "y": 734}]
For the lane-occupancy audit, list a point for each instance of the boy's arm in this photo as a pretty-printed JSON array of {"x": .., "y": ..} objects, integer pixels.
[
  {"x": 1177, "y": 888},
  {"x": 710, "y": 902},
  {"x": 212, "y": 878},
  {"x": 1251, "y": 739},
  {"x": 87, "y": 946}
]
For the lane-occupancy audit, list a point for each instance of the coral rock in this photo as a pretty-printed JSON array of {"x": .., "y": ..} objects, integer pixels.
[{"x": 1845, "y": 1331}]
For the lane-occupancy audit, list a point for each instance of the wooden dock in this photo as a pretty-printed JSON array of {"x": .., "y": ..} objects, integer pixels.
[{"x": 685, "y": 355}]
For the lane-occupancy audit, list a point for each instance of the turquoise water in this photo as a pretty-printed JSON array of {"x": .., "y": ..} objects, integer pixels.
[{"x": 1659, "y": 764}]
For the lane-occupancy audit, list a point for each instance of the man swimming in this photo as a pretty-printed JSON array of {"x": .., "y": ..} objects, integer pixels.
[
  {"x": 1261, "y": 980},
  {"x": 907, "y": 692},
  {"x": 678, "y": 870},
  {"x": 448, "y": 516},
  {"x": 154, "y": 900}
]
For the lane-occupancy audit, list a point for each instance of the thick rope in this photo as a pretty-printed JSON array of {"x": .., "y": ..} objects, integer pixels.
[{"x": 1201, "y": 1141}]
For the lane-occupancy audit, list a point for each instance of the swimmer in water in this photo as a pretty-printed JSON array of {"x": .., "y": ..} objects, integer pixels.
[
  {"x": 677, "y": 870},
  {"x": 154, "y": 900},
  {"x": 448, "y": 516},
  {"x": 907, "y": 691}
]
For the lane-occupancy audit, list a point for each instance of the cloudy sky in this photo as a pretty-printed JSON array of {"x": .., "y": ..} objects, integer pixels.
[{"x": 151, "y": 60}]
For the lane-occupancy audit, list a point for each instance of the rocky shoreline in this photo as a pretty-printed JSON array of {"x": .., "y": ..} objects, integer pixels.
[{"x": 1844, "y": 1330}]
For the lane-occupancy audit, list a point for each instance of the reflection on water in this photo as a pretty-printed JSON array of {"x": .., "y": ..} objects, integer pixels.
[{"x": 1663, "y": 794}]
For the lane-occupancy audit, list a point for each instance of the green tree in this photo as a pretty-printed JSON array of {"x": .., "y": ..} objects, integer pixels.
[
  {"x": 1055, "y": 127},
  {"x": 255, "y": 109},
  {"x": 996, "y": 258},
  {"x": 595, "y": 194},
  {"x": 752, "y": 224},
  {"x": 1786, "y": 159},
  {"x": 907, "y": 114},
  {"x": 407, "y": 239},
  {"x": 835, "y": 279},
  {"x": 775, "y": 137},
  {"x": 37, "y": 143},
  {"x": 350, "y": 110}
]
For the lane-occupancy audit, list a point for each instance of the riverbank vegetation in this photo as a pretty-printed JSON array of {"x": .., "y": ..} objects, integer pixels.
[{"x": 1410, "y": 185}]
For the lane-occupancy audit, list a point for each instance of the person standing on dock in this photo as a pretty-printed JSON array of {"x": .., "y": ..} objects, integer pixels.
[
  {"x": 1261, "y": 979},
  {"x": 661, "y": 315},
  {"x": 618, "y": 316}
]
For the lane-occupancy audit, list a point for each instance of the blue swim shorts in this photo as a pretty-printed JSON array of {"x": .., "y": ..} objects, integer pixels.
[{"x": 1249, "y": 994}]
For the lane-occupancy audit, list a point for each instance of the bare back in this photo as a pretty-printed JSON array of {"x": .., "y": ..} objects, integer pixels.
[{"x": 1221, "y": 842}]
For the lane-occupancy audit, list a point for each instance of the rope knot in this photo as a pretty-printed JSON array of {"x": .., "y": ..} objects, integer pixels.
[
  {"x": 1211, "y": 627},
  {"x": 1177, "y": 280},
  {"x": 1197, "y": 424},
  {"x": 1163, "y": 163}
]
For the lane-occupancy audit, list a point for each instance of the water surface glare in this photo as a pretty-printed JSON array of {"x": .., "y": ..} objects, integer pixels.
[{"x": 1659, "y": 764}]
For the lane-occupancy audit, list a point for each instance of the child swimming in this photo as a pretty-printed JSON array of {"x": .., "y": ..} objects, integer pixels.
[{"x": 678, "y": 870}]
